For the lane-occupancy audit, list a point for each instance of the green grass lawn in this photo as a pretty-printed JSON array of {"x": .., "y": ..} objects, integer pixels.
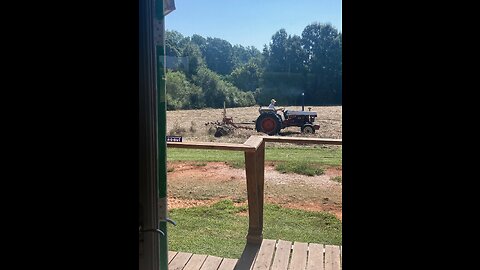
[
  {"x": 220, "y": 229},
  {"x": 309, "y": 160},
  {"x": 305, "y": 168}
]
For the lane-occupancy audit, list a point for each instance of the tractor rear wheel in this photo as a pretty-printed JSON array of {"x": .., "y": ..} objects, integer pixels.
[{"x": 268, "y": 123}]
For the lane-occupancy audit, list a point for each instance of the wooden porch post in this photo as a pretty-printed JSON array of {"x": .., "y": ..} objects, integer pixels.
[
  {"x": 260, "y": 182},
  {"x": 255, "y": 171}
]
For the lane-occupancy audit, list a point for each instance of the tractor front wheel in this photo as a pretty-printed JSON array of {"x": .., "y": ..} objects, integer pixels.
[{"x": 308, "y": 129}]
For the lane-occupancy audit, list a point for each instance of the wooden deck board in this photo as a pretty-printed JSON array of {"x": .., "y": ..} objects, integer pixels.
[
  {"x": 299, "y": 256},
  {"x": 179, "y": 261},
  {"x": 195, "y": 262},
  {"x": 272, "y": 255},
  {"x": 332, "y": 257},
  {"x": 228, "y": 264},
  {"x": 265, "y": 255},
  {"x": 341, "y": 257},
  {"x": 282, "y": 255},
  {"x": 315, "y": 257},
  {"x": 171, "y": 255},
  {"x": 211, "y": 263}
]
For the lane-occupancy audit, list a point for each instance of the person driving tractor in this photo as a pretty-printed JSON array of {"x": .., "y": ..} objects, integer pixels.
[{"x": 272, "y": 106}]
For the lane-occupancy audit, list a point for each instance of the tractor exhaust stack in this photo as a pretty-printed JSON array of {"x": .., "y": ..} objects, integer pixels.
[{"x": 303, "y": 101}]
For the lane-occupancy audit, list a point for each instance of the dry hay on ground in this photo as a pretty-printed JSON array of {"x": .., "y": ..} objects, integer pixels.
[{"x": 192, "y": 123}]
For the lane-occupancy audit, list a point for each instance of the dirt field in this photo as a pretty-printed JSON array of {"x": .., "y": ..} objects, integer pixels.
[
  {"x": 193, "y": 122},
  {"x": 192, "y": 185},
  {"x": 201, "y": 183}
]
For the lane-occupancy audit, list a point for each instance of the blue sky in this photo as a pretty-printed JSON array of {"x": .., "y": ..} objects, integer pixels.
[{"x": 250, "y": 22}]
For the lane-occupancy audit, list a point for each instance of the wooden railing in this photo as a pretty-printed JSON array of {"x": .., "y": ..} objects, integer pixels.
[{"x": 254, "y": 149}]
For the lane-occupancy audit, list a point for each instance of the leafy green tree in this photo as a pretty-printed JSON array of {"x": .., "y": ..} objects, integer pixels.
[
  {"x": 278, "y": 52},
  {"x": 285, "y": 70},
  {"x": 296, "y": 56},
  {"x": 194, "y": 58},
  {"x": 242, "y": 55},
  {"x": 285, "y": 54},
  {"x": 246, "y": 77},
  {"x": 214, "y": 71},
  {"x": 216, "y": 90},
  {"x": 173, "y": 41},
  {"x": 219, "y": 55},
  {"x": 200, "y": 41},
  {"x": 182, "y": 94},
  {"x": 323, "y": 44}
]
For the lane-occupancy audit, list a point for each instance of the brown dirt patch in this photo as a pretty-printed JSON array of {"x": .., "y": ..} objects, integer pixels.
[
  {"x": 192, "y": 185},
  {"x": 184, "y": 203}
]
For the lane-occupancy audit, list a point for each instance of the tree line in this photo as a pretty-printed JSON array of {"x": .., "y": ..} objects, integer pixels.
[{"x": 205, "y": 72}]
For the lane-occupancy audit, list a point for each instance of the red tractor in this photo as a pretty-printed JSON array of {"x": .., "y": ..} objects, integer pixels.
[{"x": 271, "y": 121}]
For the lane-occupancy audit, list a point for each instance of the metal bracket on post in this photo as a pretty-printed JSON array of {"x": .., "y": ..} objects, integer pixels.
[
  {"x": 157, "y": 230},
  {"x": 152, "y": 230},
  {"x": 169, "y": 221}
]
